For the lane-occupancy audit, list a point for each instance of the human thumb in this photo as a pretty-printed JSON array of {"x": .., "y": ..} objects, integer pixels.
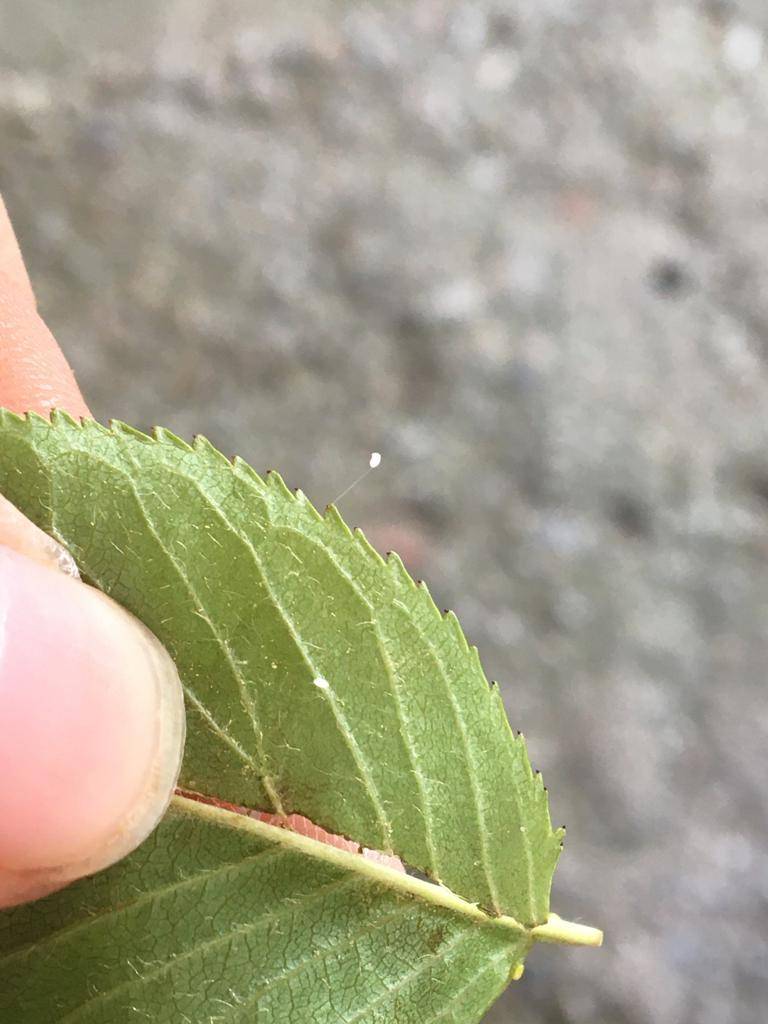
[{"x": 91, "y": 720}]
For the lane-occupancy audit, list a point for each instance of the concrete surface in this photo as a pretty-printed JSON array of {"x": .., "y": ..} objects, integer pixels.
[{"x": 520, "y": 248}]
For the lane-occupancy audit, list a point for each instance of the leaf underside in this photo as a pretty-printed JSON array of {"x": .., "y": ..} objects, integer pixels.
[
  {"x": 218, "y": 919},
  {"x": 407, "y": 749}
]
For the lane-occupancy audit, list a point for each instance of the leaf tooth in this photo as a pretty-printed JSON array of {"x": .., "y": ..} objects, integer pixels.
[
  {"x": 15, "y": 418},
  {"x": 517, "y": 738},
  {"x": 88, "y": 426},
  {"x": 333, "y": 519},
  {"x": 121, "y": 429},
  {"x": 202, "y": 446},
  {"x": 495, "y": 695},
  {"x": 301, "y": 499},
  {"x": 449, "y": 618},
  {"x": 497, "y": 703},
  {"x": 36, "y": 420},
  {"x": 535, "y": 777},
  {"x": 395, "y": 565},
  {"x": 429, "y": 602},
  {"x": 306, "y": 504},
  {"x": 474, "y": 656},
  {"x": 421, "y": 588},
  {"x": 247, "y": 472},
  {"x": 164, "y": 436},
  {"x": 365, "y": 545},
  {"x": 60, "y": 417},
  {"x": 276, "y": 484}
]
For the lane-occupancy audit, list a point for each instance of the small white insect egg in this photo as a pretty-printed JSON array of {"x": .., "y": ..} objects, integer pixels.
[
  {"x": 321, "y": 684},
  {"x": 373, "y": 462}
]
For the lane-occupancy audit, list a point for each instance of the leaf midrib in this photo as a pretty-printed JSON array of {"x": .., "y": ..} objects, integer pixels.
[
  {"x": 399, "y": 882},
  {"x": 285, "y": 840}
]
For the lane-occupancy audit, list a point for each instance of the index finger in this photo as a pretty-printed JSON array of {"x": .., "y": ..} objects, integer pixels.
[{"x": 34, "y": 375}]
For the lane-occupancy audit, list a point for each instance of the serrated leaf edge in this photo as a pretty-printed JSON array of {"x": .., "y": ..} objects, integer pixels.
[{"x": 392, "y": 563}]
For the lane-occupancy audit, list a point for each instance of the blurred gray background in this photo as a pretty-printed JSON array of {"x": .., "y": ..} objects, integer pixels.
[{"x": 521, "y": 249}]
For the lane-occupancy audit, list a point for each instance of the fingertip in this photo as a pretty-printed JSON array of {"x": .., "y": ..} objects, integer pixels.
[
  {"x": 34, "y": 375},
  {"x": 22, "y": 536},
  {"x": 11, "y": 260},
  {"x": 93, "y": 727}
]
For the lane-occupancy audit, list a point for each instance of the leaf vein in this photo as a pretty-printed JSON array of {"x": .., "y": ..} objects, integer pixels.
[
  {"x": 451, "y": 1006},
  {"x": 423, "y": 965},
  {"x": 147, "y": 897},
  {"x": 291, "y": 904},
  {"x": 246, "y": 697},
  {"x": 341, "y": 719}
]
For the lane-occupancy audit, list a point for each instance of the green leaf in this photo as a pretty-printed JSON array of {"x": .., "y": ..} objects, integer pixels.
[
  {"x": 247, "y": 919},
  {"x": 319, "y": 680}
]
